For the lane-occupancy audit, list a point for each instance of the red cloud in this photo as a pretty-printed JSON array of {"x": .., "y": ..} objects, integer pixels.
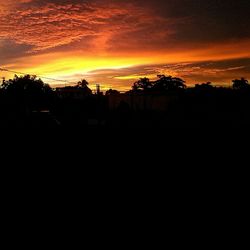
[{"x": 50, "y": 25}]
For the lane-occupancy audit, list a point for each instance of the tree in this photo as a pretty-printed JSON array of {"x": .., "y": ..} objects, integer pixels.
[
  {"x": 166, "y": 83},
  {"x": 144, "y": 84},
  {"x": 82, "y": 84},
  {"x": 29, "y": 91},
  {"x": 241, "y": 84},
  {"x": 112, "y": 92}
]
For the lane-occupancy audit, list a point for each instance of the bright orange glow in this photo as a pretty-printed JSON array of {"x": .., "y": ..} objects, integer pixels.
[{"x": 67, "y": 66}]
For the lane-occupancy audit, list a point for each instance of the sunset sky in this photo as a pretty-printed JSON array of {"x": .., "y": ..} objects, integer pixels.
[{"x": 114, "y": 42}]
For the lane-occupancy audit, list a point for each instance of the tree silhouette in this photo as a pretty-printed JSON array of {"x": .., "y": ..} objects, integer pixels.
[
  {"x": 241, "y": 84},
  {"x": 112, "y": 92},
  {"x": 80, "y": 88},
  {"x": 28, "y": 90},
  {"x": 82, "y": 84},
  {"x": 144, "y": 84},
  {"x": 166, "y": 83}
]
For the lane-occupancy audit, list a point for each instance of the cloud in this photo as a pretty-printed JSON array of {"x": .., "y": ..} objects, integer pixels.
[
  {"x": 9, "y": 50},
  {"x": 46, "y": 24},
  {"x": 218, "y": 72},
  {"x": 113, "y": 26}
]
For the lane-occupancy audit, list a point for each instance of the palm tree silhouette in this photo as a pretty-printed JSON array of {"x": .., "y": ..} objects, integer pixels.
[{"x": 82, "y": 84}]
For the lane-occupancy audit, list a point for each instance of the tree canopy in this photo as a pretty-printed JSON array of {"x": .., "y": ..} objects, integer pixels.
[
  {"x": 28, "y": 90},
  {"x": 82, "y": 84},
  {"x": 162, "y": 84},
  {"x": 144, "y": 84},
  {"x": 166, "y": 83},
  {"x": 241, "y": 84}
]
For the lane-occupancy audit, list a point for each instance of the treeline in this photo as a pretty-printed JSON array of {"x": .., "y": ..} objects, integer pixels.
[
  {"x": 22, "y": 98},
  {"x": 165, "y": 83},
  {"x": 28, "y": 101},
  {"x": 30, "y": 92},
  {"x": 31, "y": 88}
]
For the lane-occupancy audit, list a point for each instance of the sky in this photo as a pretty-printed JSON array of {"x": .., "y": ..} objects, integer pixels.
[{"x": 114, "y": 42}]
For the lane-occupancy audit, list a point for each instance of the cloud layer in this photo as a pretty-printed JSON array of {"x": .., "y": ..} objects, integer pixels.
[{"x": 98, "y": 24}]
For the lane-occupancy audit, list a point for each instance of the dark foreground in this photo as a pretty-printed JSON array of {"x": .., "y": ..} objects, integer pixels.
[{"x": 216, "y": 109}]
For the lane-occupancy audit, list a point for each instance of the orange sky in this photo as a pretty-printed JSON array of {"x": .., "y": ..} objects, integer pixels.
[{"x": 113, "y": 43}]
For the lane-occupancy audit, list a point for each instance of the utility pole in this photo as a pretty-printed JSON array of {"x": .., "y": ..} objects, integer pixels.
[
  {"x": 98, "y": 89},
  {"x": 3, "y": 78}
]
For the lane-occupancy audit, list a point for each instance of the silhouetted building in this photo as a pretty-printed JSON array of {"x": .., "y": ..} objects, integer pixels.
[
  {"x": 73, "y": 92},
  {"x": 142, "y": 102}
]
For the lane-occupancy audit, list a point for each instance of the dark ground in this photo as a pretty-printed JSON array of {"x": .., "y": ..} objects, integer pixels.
[{"x": 217, "y": 109}]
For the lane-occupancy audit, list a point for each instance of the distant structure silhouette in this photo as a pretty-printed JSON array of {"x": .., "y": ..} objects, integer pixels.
[
  {"x": 204, "y": 86},
  {"x": 98, "y": 89},
  {"x": 79, "y": 91}
]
